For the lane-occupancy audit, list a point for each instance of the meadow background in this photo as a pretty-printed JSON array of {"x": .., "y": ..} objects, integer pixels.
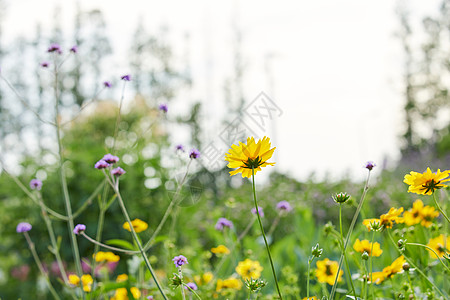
[{"x": 145, "y": 139}]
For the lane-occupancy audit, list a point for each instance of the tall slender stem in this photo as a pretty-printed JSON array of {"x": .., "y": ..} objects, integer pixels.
[
  {"x": 371, "y": 265},
  {"x": 180, "y": 272},
  {"x": 62, "y": 175},
  {"x": 262, "y": 232},
  {"x": 307, "y": 275},
  {"x": 136, "y": 239},
  {"x": 348, "y": 273},
  {"x": 39, "y": 264},
  {"x": 439, "y": 208},
  {"x": 349, "y": 233}
]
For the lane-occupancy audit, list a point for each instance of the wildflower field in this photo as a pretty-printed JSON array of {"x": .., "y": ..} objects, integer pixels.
[{"x": 120, "y": 211}]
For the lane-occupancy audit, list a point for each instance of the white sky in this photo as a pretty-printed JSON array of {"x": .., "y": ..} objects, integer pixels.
[{"x": 336, "y": 67}]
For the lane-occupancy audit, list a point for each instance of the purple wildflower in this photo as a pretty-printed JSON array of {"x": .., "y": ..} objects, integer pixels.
[
  {"x": 35, "y": 184},
  {"x": 194, "y": 153},
  {"x": 107, "y": 84},
  {"x": 118, "y": 171},
  {"x": 179, "y": 260},
  {"x": 260, "y": 210},
  {"x": 74, "y": 49},
  {"x": 369, "y": 165},
  {"x": 150, "y": 298},
  {"x": 54, "y": 48},
  {"x": 191, "y": 286},
  {"x": 45, "y": 64},
  {"x": 101, "y": 164},
  {"x": 23, "y": 227},
  {"x": 163, "y": 107},
  {"x": 284, "y": 206},
  {"x": 79, "y": 229},
  {"x": 222, "y": 223},
  {"x": 126, "y": 77},
  {"x": 179, "y": 147},
  {"x": 110, "y": 159}
]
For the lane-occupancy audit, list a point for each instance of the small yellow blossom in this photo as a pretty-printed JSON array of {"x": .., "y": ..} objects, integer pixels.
[
  {"x": 229, "y": 283},
  {"x": 249, "y": 269},
  {"x": 204, "y": 279},
  {"x": 366, "y": 246},
  {"x": 310, "y": 298},
  {"x": 221, "y": 249},
  {"x": 122, "y": 278},
  {"x": 389, "y": 271},
  {"x": 138, "y": 225},
  {"x": 427, "y": 182},
  {"x": 420, "y": 214},
  {"x": 386, "y": 220},
  {"x": 439, "y": 246},
  {"x": 86, "y": 280},
  {"x": 244, "y": 157},
  {"x": 122, "y": 294},
  {"x": 106, "y": 256},
  {"x": 327, "y": 270}
]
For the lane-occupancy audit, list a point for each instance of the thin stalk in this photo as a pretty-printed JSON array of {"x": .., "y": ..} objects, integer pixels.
[
  {"x": 439, "y": 208},
  {"x": 180, "y": 272},
  {"x": 192, "y": 291},
  {"x": 116, "y": 129},
  {"x": 437, "y": 255},
  {"x": 88, "y": 200},
  {"x": 39, "y": 264},
  {"x": 262, "y": 232},
  {"x": 410, "y": 284},
  {"x": 307, "y": 275},
  {"x": 352, "y": 225},
  {"x": 371, "y": 266},
  {"x": 348, "y": 273},
  {"x": 136, "y": 239},
  {"x": 364, "y": 280},
  {"x": 100, "y": 244},
  {"x": 63, "y": 179},
  {"x": 51, "y": 233},
  {"x": 169, "y": 209},
  {"x": 414, "y": 265}
]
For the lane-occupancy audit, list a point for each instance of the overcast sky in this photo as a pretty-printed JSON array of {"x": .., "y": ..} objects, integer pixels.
[{"x": 336, "y": 67}]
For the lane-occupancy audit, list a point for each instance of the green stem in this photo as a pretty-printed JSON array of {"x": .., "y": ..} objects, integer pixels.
[
  {"x": 348, "y": 273},
  {"x": 364, "y": 280},
  {"x": 180, "y": 272},
  {"x": 437, "y": 255},
  {"x": 39, "y": 264},
  {"x": 371, "y": 266},
  {"x": 439, "y": 208},
  {"x": 264, "y": 236},
  {"x": 63, "y": 179},
  {"x": 352, "y": 225},
  {"x": 307, "y": 275},
  {"x": 410, "y": 284},
  {"x": 136, "y": 239},
  {"x": 414, "y": 266},
  {"x": 192, "y": 291}
]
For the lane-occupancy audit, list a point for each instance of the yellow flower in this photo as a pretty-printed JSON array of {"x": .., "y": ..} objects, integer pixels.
[
  {"x": 221, "y": 249},
  {"x": 386, "y": 220},
  {"x": 427, "y": 182},
  {"x": 204, "y": 279},
  {"x": 106, "y": 256},
  {"x": 249, "y": 269},
  {"x": 429, "y": 213},
  {"x": 310, "y": 298},
  {"x": 439, "y": 246},
  {"x": 122, "y": 294},
  {"x": 389, "y": 271},
  {"x": 366, "y": 246},
  {"x": 327, "y": 270},
  {"x": 122, "y": 278},
  {"x": 86, "y": 280},
  {"x": 244, "y": 157},
  {"x": 229, "y": 283},
  {"x": 413, "y": 215},
  {"x": 138, "y": 225}
]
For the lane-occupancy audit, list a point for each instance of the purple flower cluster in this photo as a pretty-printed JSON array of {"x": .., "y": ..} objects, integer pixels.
[
  {"x": 54, "y": 48},
  {"x": 369, "y": 165},
  {"x": 118, "y": 171},
  {"x": 107, "y": 161},
  {"x": 107, "y": 84},
  {"x": 284, "y": 206},
  {"x": 260, "y": 210},
  {"x": 179, "y": 147},
  {"x": 45, "y": 64},
  {"x": 23, "y": 227},
  {"x": 110, "y": 159},
  {"x": 79, "y": 228},
  {"x": 126, "y": 77},
  {"x": 179, "y": 260},
  {"x": 222, "y": 223},
  {"x": 194, "y": 153},
  {"x": 35, "y": 184},
  {"x": 74, "y": 49},
  {"x": 163, "y": 107}
]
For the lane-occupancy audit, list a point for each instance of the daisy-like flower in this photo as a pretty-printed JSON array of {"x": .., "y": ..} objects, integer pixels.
[
  {"x": 327, "y": 270},
  {"x": 221, "y": 249},
  {"x": 230, "y": 283},
  {"x": 366, "y": 246},
  {"x": 249, "y": 269},
  {"x": 420, "y": 214},
  {"x": 122, "y": 293},
  {"x": 246, "y": 157},
  {"x": 204, "y": 279},
  {"x": 437, "y": 244},
  {"x": 386, "y": 220},
  {"x": 389, "y": 271},
  {"x": 427, "y": 182},
  {"x": 137, "y": 224}
]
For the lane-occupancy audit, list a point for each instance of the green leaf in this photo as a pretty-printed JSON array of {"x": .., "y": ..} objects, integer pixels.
[{"x": 121, "y": 243}]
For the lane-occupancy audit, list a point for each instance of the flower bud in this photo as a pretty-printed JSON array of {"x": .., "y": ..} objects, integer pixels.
[
  {"x": 406, "y": 267},
  {"x": 341, "y": 198},
  {"x": 365, "y": 255},
  {"x": 316, "y": 251}
]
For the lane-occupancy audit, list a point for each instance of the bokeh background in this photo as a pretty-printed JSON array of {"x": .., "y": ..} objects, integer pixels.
[{"x": 353, "y": 82}]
